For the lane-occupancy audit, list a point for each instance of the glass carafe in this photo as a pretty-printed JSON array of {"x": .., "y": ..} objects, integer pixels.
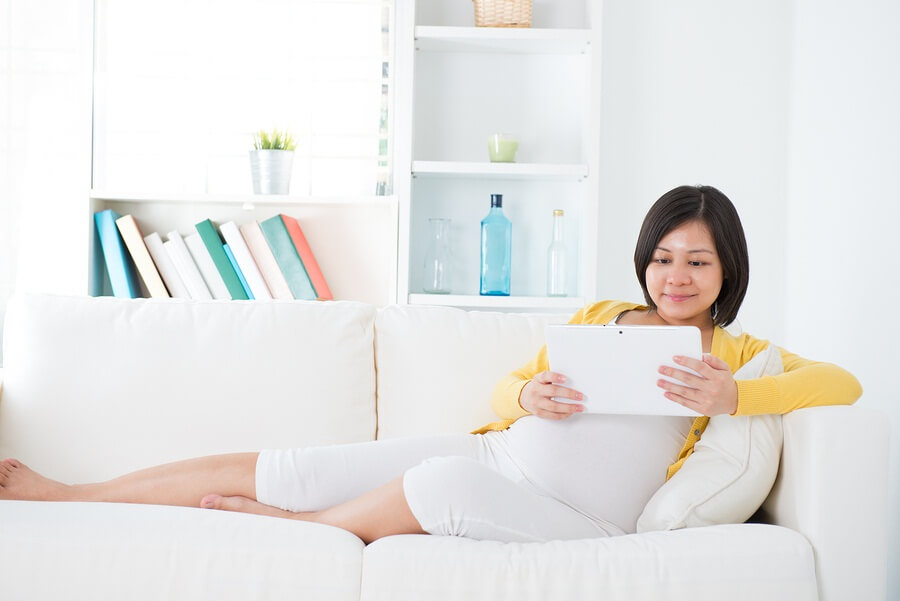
[{"x": 436, "y": 275}]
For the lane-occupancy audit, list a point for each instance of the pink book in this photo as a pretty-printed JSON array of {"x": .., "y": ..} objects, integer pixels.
[{"x": 309, "y": 260}]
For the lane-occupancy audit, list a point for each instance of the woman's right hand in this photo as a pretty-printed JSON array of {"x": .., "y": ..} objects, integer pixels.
[{"x": 536, "y": 397}]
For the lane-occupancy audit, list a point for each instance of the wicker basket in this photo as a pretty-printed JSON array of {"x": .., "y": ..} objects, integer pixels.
[{"x": 502, "y": 13}]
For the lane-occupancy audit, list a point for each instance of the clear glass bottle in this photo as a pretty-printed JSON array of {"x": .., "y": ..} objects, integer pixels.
[
  {"x": 557, "y": 258},
  {"x": 496, "y": 250},
  {"x": 436, "y": 275}
]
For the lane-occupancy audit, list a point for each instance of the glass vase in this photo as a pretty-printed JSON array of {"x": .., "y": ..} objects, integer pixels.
[{"x": 436, "y": 275}]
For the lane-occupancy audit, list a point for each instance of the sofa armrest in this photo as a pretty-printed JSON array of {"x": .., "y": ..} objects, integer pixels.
[{"x": 832, "y": 488}]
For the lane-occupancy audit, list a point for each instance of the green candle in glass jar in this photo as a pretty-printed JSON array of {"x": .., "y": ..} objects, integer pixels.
[{"x": 502, "y": 148}]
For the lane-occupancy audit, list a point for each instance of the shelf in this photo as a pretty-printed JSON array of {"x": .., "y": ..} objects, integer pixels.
[
  {"x": 505, "y": 40},
  {"x": 572, "y": 172},
  {"x": 244, "y": 200},
  {"x": 498, "y": 302}
]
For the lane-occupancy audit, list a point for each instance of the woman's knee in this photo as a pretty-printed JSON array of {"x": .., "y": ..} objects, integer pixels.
[{"x": 442, "y": 491}]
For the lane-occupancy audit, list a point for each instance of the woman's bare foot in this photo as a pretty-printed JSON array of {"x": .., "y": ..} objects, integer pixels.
[
  {"x": 18, "y": 482},
  {"x": 246, "y": 505}
]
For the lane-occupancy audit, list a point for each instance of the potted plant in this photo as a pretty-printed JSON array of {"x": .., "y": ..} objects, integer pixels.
[{"x": 271, "y": 161}]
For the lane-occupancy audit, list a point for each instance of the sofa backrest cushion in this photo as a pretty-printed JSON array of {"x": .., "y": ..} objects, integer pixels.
[
  {"x": 94, "y": 387},
  {"x": 437, "y": 366}
]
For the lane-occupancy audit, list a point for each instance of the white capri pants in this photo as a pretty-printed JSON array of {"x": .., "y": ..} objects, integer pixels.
[{"x": 455, "y": 485}]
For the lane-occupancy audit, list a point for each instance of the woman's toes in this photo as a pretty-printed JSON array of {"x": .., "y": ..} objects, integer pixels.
[
  {"x": 242, "y": 505},
  {"x": 237, "y": 503},
  {"x": 209, "y": 501}
]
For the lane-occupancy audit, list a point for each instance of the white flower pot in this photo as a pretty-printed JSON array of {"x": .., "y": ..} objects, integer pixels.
[{"x": 271, "y": 171}]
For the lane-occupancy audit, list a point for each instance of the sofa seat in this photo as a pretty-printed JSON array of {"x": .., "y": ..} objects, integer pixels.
[
  {"x": 761, "y": 562},
  {"x": 96, "y": 551}
]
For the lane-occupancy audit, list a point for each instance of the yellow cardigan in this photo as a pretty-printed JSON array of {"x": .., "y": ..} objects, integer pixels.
[{"x": 804, "y": 383}]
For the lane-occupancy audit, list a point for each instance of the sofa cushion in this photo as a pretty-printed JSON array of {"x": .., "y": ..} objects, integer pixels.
[
  {"x": 437, "y": 366},
  {"x": 699, "y": 564},
  {"x": 731, "y": 470},
  {"x": 94, "y": 387},
  {"x": 89, "y": 551}
]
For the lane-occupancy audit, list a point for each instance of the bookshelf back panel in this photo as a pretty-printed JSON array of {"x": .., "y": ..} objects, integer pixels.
[
  {"x": 544, "y": 13},
  {"x": 354, "y": 243},
  {"x": 528, "y": 205},
  {"x": 462, "y": 98}
]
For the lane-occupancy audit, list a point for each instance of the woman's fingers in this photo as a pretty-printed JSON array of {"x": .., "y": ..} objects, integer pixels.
[
  {"x": 539, "y": 397},
  {"x": 550, "y": 409},
  {"x": 710, "y": 391}
]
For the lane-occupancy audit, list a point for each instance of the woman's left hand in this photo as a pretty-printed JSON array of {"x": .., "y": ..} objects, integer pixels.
[{"x": 712, "y": 392}]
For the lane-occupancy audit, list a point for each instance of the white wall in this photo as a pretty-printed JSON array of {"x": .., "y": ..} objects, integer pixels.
[
  {"x": 691, "y": 96},
  {"x": 791, "y": 109},
  {"x": 45, "y": 138},
  {"x": 843, "y": 281},
  {"x": 50, "y": 141}
]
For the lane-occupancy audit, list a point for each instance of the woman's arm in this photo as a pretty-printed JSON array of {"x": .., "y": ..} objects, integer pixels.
[
  {"x": 508, "y": 391},
  {"x": 713, "y": 390},
  {"x": 804, "y": 383}
]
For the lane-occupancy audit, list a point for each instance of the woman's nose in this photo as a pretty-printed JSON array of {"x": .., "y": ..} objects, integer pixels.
[{"x": 678, "y": 275}]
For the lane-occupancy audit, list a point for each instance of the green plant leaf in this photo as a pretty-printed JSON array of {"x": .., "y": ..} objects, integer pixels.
[{"x": 274, "y": 140}]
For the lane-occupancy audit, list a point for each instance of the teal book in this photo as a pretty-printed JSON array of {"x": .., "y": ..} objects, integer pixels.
[
  {"x": 215, "y": 246},
  {"x": 237, "y": 269},
  {"x": 119, "y": 265},
  {"x": 279, "y": 240}
]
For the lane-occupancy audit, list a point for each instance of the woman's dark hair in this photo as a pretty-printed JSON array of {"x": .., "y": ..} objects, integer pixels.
[{"x": 711, "y": 207}]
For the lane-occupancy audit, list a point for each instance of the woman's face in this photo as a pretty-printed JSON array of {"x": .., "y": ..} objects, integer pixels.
[{"x": 684, "y": 276}]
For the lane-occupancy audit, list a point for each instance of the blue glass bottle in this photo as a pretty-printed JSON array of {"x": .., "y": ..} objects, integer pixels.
[{"x": 496, "y": 250}]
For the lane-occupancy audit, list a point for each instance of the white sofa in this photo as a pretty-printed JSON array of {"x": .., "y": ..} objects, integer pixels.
[{"x": 94, "y": 387}]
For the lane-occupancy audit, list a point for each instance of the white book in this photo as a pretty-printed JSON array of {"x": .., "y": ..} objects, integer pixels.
[
  {"x": 265, "y": 260},
  {"x": 166, "y": 267},
  {"x": 245, "y": 261},
  {"x": 207, "y": 267},
  {"x": 187, "y": 269}
]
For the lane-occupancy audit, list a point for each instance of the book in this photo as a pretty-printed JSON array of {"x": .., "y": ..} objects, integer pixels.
[
  {"x": 279, "y": 240},
  {"x": 265, "y": 260},
  {"x": 119, "y": 266},
  {"x": 213, "y": 242},
  {"x": 167, "y": 270},
  {"x": 187, "y": 268},
  {"x": 309, "y": 260},
  {"x": 237, "y": 270},
  {"x": 204, "y": 262},
  {"x": 134, "y": 242},
  {"x": 247, "y": 265}
]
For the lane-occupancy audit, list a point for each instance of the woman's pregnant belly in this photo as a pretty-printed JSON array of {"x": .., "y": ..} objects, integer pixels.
[{"x": 605, "y": 466}]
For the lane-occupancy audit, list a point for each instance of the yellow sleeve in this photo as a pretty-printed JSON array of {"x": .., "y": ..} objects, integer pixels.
[{"x": 804, "y": 383}]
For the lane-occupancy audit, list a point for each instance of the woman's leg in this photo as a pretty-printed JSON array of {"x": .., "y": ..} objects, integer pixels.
[
  {"x": 181, "y": 483},
  {"x": 380, "y": 512},
  {"x": 455, "y": 496},
  {"x": 450, "y": 496},
  {"x": 307, "y": 479},
  {"x": 318, "y": 478}
]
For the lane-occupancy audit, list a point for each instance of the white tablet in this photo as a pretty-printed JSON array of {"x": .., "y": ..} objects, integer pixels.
[{"x": 616, "y": 367}]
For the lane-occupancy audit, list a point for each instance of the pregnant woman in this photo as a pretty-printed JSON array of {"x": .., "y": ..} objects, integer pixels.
[{"x": 546, "y": 470}]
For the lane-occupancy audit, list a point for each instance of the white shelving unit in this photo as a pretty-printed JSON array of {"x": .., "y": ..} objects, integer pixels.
[
  {"x": 354, "y": 239},
  {"x": 457, "y": 84}
]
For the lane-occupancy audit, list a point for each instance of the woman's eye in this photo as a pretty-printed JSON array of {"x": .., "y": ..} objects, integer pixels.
[
  {"x": 697, "y": 263},
  {"x": 661, "y": 261}
]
